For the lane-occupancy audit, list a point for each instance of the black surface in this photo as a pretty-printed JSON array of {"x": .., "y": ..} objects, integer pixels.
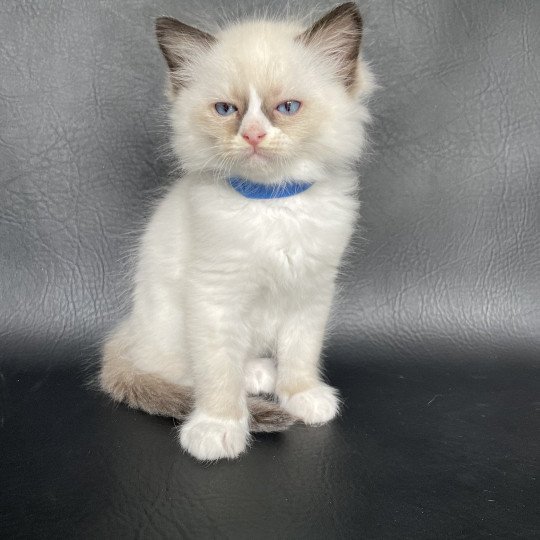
[
  {"x": 436, "y": 345},
  {"x": 420, "y": 451}
]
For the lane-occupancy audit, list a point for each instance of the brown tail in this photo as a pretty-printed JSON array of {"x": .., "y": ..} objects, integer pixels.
[{"x": 155, "y": 395}]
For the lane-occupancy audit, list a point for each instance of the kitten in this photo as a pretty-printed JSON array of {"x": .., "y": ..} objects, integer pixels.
[{"x": 236, "y": 267}]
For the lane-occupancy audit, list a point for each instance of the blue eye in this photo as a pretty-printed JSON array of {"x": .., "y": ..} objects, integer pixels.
[
  {"x": 288, "y": 107},
  {"x": 225, "y": 109}
]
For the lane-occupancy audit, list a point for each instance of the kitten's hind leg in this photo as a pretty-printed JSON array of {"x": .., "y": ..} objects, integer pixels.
[
  {"x": 260, "y": 376},
  {"x": 153, "y": 392}
]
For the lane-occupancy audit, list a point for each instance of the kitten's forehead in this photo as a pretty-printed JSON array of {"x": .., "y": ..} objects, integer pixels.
[
  {"x": 263, "y": 55},
  {"x": 258, "y": 36},
  {"x": 252, "y": 95}
]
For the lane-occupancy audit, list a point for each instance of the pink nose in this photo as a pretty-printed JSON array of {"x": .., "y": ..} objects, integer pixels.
[{"x": 254, "y": 136}]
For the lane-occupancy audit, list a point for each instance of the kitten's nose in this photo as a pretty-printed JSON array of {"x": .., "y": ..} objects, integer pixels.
[{"x": 254, "y": 135}]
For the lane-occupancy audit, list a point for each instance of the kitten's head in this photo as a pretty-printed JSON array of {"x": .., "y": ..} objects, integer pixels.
[{"x": 266, "y": 99}]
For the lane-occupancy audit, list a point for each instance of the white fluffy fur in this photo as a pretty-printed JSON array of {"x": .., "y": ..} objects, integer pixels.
[
  {"x": 224, "y": 282},
  {"x": 209, "y": 438},
  {"x": 317, "y": 405},
  {"x": 260, "y": 376}
]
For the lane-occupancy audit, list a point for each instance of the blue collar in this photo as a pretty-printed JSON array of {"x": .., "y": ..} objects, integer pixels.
[{"x": 255, "y": 190}]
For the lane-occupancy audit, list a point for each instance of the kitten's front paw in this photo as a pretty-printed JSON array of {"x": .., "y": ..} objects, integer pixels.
[
  {"x": 317, "y": 405},
  {"x": 208, "y": 438},
  {"x": 260, "y": 376}
]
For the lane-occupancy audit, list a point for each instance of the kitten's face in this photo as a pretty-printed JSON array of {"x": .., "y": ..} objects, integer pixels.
[{"x": 259, "y": 100}]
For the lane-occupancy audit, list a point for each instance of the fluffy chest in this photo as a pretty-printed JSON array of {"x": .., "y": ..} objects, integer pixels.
[{"x": 288, "y": 238}]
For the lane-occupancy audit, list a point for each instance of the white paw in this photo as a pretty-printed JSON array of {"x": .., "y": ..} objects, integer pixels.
[
  {"x": 208, "y": 438},
  {"x": 314, "y": 406},
  {"x": 260, "y": 376}
]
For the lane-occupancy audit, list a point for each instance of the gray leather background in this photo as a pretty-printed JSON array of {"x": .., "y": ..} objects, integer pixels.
[
  {"x": 437, "y": 330},
  {"x": 447, "y": 265}
]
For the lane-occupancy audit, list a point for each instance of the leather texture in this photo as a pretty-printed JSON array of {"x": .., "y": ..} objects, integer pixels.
[{"x": 436, "y": 333}]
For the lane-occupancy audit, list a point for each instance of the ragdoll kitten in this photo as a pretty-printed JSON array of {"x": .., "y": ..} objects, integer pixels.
[{"x": 236, "y": 267}]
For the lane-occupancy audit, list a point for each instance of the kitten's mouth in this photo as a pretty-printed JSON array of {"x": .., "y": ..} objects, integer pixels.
[{"x": 257, "y": 155}]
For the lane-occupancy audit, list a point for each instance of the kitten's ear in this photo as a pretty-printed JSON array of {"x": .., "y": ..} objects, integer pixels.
[
  {"x": 178, "y": 41},
  {"x": 338, "y": 35}
]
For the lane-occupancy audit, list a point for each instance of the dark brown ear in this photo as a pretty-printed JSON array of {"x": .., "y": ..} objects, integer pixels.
[
  {"x": 177, "y": 42},
  {"x": 338, "y": 35}
]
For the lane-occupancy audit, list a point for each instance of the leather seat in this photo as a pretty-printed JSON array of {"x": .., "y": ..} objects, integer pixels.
[{"x": 436, "y": 335}]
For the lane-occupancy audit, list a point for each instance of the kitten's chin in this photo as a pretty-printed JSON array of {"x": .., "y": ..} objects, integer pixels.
[
  {"x": 261, "y": 168},
  {"x": 259, "y": 164},
  {"x": 257, "y": 156},
  {"x": 259, "y": 160}
]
